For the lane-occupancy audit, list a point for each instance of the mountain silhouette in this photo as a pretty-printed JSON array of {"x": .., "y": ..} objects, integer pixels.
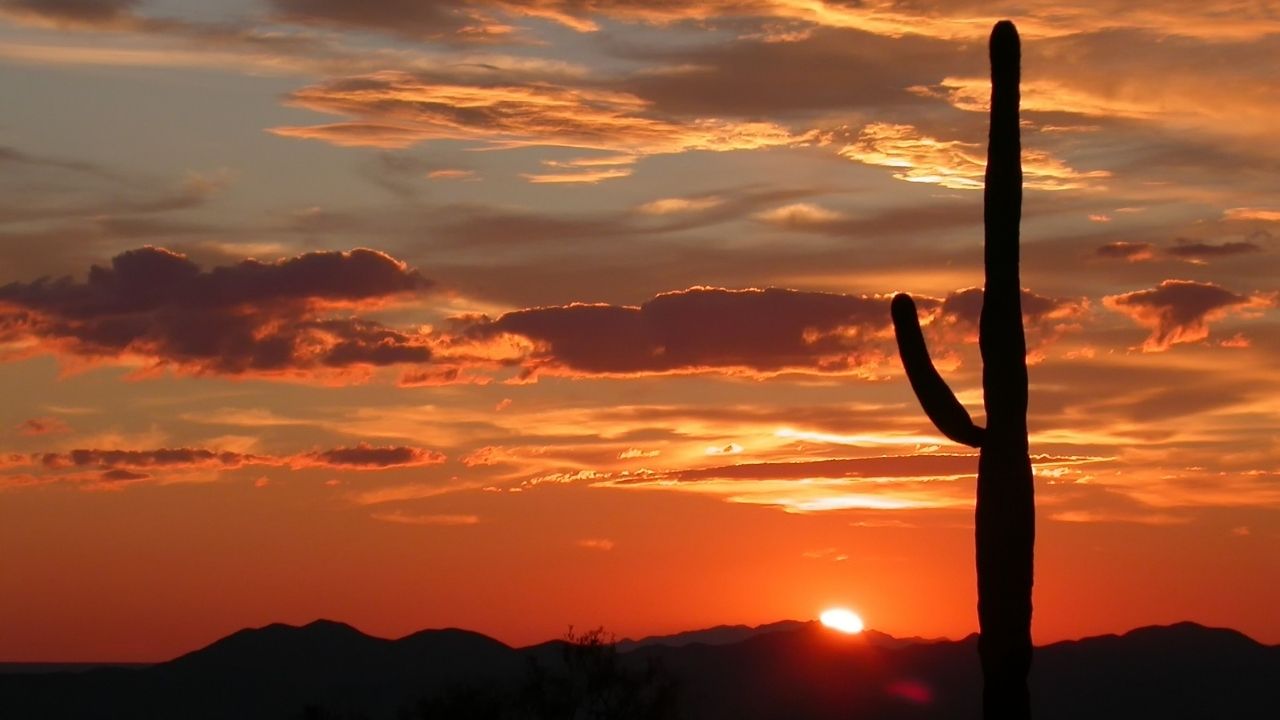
[
  {"x": 791, "y": 670},
  {"x": 718, "y": 635}
]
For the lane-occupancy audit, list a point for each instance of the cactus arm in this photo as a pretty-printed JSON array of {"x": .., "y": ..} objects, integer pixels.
[{"x": 939, "y": 403}]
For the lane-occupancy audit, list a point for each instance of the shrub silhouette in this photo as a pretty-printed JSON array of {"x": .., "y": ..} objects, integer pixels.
[
  {"x": 1005, "y": 516},
  {"x": 588, "y": 681}
]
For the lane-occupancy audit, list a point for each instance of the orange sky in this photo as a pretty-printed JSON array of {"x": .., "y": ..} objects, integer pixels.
[{"x": 520, "y": 315}]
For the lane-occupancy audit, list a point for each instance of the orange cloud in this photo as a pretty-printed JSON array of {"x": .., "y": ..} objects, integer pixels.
[
  {"x": 1244, "y": 213},
  {"x": 901, "y": 482},
  {"x": 404, "y": 518},
  {"x": 1179, "y": 311},
  {"x": 1047, "y": 96},
  {"x": 786, "y": 20},
  {"x": 1130, "y": 251},
  {"x": 583, "y": 170},
  {"x": 452, "y": 174},
  {"x": 954, "y": 164},
  {"x": 394, "y": 109},
  {"x": 672, "y": 206},
  {"x": 799, "y": 215}
]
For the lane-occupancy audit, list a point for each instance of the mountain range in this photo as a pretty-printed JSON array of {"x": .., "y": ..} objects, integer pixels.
[{"x": 793, "y": 670}]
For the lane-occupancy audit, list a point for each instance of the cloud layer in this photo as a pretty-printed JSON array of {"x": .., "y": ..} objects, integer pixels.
[{"x": 249, "y": 318}]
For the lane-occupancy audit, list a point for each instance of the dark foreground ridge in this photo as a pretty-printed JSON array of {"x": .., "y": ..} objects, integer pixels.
[{"x": 789, "y": 670}]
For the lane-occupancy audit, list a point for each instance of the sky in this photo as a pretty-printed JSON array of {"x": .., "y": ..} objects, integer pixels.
[{"x": 516, "y": 315}]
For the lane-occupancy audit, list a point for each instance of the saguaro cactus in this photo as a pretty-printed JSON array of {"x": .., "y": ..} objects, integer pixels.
[{"x": 1005, "y": 517}]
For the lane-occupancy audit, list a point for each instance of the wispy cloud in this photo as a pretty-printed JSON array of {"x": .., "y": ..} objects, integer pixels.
[{"x": 955, "y": 164}]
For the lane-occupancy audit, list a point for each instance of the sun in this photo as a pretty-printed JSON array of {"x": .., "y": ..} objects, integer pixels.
[{"x": 846, "y": 621}]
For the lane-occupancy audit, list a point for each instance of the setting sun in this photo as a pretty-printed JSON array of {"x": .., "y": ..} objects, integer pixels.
[{"x": 846, "y": 621}]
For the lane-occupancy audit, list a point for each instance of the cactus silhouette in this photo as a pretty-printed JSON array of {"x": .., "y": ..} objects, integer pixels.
[{"x": 1005, "y": 516}]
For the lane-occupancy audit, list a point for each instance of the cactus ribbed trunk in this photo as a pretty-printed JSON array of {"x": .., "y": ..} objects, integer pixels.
[
  {"x": 1005, "y": 519},
  {"x": 1005, "y": 516}
]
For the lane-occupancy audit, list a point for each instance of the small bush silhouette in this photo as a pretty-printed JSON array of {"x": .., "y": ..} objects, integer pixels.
[{"x": 590, "y": 681}]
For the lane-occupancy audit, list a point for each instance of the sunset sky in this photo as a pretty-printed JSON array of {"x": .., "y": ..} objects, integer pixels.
[{"x": 517, "y": 314}]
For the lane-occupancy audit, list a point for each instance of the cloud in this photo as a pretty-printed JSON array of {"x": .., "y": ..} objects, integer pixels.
[
  {"x": 42, "y": 426},
  {"x": 395, "y": 109},
  {"x": 170, "y": 458},
  {"x": 442, "y": 375},
  {"x": 799, "y": 215},
  {"x": 676, "y": 205},
  {"x": 752, "y": 332},
  {"x": 584, "y": 170},
  {"x": 935, "y": 466},
  {"x": 70, "y": 13},
  {"x": 262, "y": 318},
  {"x": 1044, "y": 318},
  {"x": 369, "y": 457},
  {"x": 455, "y": 21},
  {"x": 603, "y": 544},
  {"x": 175, "y": 463},
  {"x": 1131, "y": 251},
  {"x": 1037, "y": 96},
  {"x": 122, "y": 475},
  {"x": 784, "y": 20},
  {"x": 1187, "y": 249},
  {"x": 404, "y": 518},
  {"x": 1244, "y": 213},
  {"x": 900, "y": 482},
  {"x": 764, "y": 79},
  {"x": 1179, "y": 311},
  {"x": 452, "y": 174},
  {"x": 954, "y": 164}
]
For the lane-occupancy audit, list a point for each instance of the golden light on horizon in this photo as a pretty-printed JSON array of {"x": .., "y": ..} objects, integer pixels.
[{"x": 843, "y": 620}]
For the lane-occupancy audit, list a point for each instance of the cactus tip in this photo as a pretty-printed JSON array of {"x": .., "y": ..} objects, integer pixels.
[{"x": 1004, "y": 40}]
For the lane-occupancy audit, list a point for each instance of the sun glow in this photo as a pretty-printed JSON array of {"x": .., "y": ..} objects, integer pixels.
[{"x": 846, "y": 621}]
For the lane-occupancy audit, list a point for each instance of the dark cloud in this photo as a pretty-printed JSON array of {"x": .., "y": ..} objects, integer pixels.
[
  {"x": 42, "y": 426},
  {"x": 752, "y": 331},
  {"x": 1188, "y": 249},
  {"x": 140, "y": 464},
  {"x": 1131, "y": 251},
  {"x": 251, "y": 317},
  {"x": 1179, "y": 311},
  {"x": 761, "y": 78},
  {"x": 369, "y": 457},
  {"x": 162, "y": 458},
  {"x": 1043, "y": 317}
]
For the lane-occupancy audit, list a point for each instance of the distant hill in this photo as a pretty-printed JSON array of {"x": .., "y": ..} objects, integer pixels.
[
  {"x": 718, "y": 635},
  {"x": 791, "y": 670}
]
